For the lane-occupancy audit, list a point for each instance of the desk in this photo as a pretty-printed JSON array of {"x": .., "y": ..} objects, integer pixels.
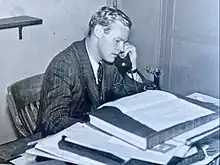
[
  {"x": 19, "y": 146},
  {"x": 14, "y": 148}
]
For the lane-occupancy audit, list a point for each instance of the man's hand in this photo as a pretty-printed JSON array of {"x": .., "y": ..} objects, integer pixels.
[{"x": 128, "y": 48}]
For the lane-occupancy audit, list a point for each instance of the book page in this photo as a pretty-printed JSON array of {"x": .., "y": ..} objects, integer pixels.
[
  {"x": 141, "y": 100},
  {"x": 168, "y": 114}
]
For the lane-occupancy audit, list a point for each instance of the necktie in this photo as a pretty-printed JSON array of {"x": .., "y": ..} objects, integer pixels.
[{"x": 100, "y": 76}]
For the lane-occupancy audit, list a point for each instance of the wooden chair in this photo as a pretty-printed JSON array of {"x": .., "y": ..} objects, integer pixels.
[{"x": 23, "y": 101}]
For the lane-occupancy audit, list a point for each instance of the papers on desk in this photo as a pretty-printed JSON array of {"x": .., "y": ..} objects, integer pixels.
[
  {"x": 36, "y": 152},
  {"x": 78, "y": 134},
  {"x": 29, "y": 159},
  {"x": 204, "y": 98},
  {"x": 101, "y": 144},
  {"x": 50, "y": 146}
]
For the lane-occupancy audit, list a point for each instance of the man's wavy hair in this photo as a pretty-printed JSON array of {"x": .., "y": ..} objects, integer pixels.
[{"x": 106, "y": 16}]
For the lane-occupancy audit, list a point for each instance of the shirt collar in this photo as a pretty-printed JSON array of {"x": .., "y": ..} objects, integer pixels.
[{"x": 94, "y": 64}]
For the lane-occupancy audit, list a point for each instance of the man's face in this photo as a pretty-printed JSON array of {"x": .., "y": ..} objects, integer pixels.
[{"x": 112, "y": 43}]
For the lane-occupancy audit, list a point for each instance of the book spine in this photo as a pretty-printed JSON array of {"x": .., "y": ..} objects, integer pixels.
[{"x": 167, "y": 134}]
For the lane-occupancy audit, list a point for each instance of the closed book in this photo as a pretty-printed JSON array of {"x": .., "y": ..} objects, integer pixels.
[
  {"x": 91, "y": 153},
  {"x": 149, "y": 118}
]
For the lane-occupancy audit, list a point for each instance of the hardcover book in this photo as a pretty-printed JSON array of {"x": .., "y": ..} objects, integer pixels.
[{"x": 149, "y": 118}]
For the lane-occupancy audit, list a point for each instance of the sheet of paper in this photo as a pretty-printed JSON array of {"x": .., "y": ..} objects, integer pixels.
[
  {"x": 25, "y": 159},
  {"x": 50, "y": 146},
  {"x": 104, "y": 142},
  {"x": 29, "y": 159},
  {"x": 35, "y": 152},
  {"x": 36, "y": 141},
  {"x": 140, "y": 100},
  {"x": 204, "y": 98},
  {"x": 169, "y": 113},
  {"x": 184, "y": 150},
  {"x": 191, "y": 152}
]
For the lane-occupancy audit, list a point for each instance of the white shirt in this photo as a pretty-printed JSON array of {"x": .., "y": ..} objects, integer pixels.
[{"x": 95, "y": 66}]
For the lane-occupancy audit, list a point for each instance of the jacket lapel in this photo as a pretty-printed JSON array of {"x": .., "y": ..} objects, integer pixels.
[{"x": 88, "y": 73}]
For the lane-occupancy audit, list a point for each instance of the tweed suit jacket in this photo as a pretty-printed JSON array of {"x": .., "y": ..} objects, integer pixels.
[{"x": 69, "y": 90}]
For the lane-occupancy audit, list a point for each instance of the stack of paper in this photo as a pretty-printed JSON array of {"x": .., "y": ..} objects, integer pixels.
[
  {"x": 85, "y": 145},
  {"x": 78, "y": 134}
]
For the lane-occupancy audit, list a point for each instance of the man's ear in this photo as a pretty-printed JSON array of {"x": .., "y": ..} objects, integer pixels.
[{"x": 98, "y": 31}]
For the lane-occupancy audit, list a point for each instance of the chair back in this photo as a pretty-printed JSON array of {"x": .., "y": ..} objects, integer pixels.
[{"x": 23, "y": 102}]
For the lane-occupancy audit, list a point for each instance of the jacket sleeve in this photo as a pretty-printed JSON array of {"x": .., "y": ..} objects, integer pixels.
[{"x": 60, "y": 81}]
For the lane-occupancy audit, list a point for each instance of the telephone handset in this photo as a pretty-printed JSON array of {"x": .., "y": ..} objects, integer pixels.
[{"x": 123, "y": 63}]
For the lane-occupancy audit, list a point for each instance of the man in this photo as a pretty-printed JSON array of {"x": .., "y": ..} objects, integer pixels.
[{"x": 83, "y": 76}]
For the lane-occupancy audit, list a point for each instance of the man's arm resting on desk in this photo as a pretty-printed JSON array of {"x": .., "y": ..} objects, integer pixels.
[{"x": 60, "y": 88}]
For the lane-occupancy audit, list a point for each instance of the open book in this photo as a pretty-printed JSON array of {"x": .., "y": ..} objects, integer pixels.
[{"x": 149, "y": 118}]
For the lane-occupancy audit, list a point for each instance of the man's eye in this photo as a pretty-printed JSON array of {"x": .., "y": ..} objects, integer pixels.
[{"x": 117, "y": 41}]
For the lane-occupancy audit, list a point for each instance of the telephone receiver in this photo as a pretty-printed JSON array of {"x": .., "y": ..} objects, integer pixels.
[{"x": 123, "y": 63}]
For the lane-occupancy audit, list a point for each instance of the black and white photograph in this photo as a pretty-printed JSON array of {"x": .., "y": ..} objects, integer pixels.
[{"x": 109, "y": 82}]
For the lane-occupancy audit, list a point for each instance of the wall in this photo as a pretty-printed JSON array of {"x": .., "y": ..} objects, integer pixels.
[
  {"x": 184, "y": 44},
  {"x": 191, "y": 56},
  {"x": 63, "y": 22},
  {"x": 146, "y": 30}
]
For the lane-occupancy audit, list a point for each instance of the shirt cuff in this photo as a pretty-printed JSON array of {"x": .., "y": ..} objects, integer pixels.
[{"x": 135, "y": 76}]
